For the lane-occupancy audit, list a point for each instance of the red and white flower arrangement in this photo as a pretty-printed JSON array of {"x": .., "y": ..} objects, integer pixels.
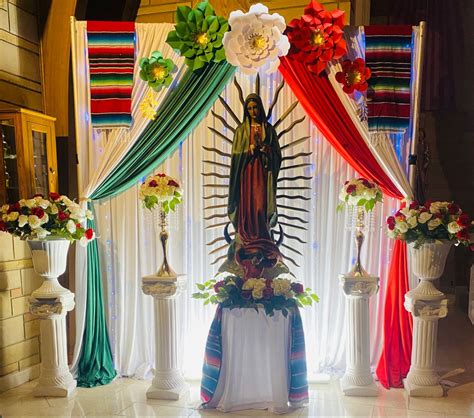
[
  {"x": 40, "y": 218},
  {"x": 360, "y": 192},
  {"x": 317, "y": 37},
  {"x": 432, "y": 221},
  {"x": 161, "y": 191}
]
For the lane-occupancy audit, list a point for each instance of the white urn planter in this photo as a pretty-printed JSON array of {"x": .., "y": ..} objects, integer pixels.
[
  {"x": 427, "y": 305},
  {"x": 50, "y": 303}
]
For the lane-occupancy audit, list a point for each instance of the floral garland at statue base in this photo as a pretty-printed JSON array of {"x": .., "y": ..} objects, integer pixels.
[
  {"x": 40, "y": 218},
  {"x": 272, "y": 295}
]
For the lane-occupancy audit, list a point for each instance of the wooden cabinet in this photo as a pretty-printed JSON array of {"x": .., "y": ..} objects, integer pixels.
[{"x": 28, "y": 163}]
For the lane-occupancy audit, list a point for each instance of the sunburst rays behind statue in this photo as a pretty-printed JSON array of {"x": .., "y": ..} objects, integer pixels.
[{"x": 219, "y": 190}]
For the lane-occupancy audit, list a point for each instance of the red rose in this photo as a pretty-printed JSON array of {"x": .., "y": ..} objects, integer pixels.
[
  {"x": 366, "y": 183},
  {"x": 218, "y": 285},
  {"x": 39, "y": 212},
  {"x": 391, "y": 223},
  {"x": 297, "y": 288},
  {"x": 414, "y": 205},
  {"x": 428, "y": 204},
  {"x": 54, "y": 196},
  {"x": 14, "y": 207},
  {"x": 173, "y": 183},
  {"x": 347, "y": 182},
  {"x": 153, "y": 183},
  {"x": 463, "y": 234},
  {"x": 78, "y": 225},
  {"x": 3, "y": 226},
  {"x": 89, "y": 233},
  {"x": 438, "y": 216},
  {"x": 351, "y": 188},
  {"x": 161, "y": 175},
  {"x": 463, "y": 220},
  {"x": 38, "y": 195},
  {"x": 453, "y": 209},
  {"x": 62, "y": 216},
  {"x": 423, "y": 209},
  {"x": 267, "y": 293}
]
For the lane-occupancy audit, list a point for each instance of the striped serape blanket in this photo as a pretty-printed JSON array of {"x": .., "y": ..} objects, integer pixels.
[
  {"x": 388, "y": 55},
  {"x": 298, "y": 388},
  {"x": 111, "y": 48}
]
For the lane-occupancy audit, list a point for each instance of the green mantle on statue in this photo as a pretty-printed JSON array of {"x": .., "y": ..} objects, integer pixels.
[{"x": 240, "y": 158}]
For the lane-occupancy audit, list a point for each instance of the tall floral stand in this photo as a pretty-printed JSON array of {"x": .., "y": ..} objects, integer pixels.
[
  {"x": 165, "y": 286},
  {"x": 427, "y": 305},
  {"x": 50, "y": 303},
  {"x": 358, "y": 286}
]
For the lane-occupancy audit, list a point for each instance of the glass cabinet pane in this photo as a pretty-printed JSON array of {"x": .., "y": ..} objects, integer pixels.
[
  {"x": 40, "y": 162},
  {"x": 10, "y": 167}
]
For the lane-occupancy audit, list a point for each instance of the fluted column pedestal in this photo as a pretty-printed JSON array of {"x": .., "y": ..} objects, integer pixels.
[
  {"x": 168, "y": 382},
  {"x": 55, "y": 378},
  {"x": 357, "y": 379},
  {"x": 422, "y": 380}
]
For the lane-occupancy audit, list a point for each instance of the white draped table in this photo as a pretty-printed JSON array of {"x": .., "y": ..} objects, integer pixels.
[{"x": 255, "y": 362}]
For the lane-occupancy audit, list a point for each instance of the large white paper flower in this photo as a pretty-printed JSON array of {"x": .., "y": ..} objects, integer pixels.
[{"x": 256, "y": 40}]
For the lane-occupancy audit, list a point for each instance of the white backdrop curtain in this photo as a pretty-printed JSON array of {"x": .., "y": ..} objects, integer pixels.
[
  {"x": 129, "y": 250},
  {"x": 100, "y": 150}
]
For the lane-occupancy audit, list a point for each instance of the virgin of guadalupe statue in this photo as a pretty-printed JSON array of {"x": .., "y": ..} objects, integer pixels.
[{"x": 252, "y": 209}]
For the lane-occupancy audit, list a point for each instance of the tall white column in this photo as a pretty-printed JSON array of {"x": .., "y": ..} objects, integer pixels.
[
  {"x": 427, "y": 310},
  {"x": 357, "y": 379},
  {"x": 55, "y": 378},
  {"x": 168, "y": 382}
]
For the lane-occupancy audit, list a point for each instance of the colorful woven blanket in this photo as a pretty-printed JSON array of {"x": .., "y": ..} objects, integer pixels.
[
  {"x": 298, "y": 391},
  {"x": 388, "y": 55},
  {"x": 111, "y": 47}
]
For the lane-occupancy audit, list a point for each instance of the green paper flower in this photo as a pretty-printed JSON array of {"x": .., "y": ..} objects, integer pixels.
[
  {"x": 157, "y": 70},
  {"x": 198, "y": 35}
]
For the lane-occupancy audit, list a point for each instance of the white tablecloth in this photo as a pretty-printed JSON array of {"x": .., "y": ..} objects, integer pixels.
[{"x": 255, "y": 362}]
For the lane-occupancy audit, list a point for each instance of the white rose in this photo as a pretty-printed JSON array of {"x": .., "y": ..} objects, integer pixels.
[
  {"x": 424, "y": 217},
  {"x": 41, "y": 233},
  {"x": 22, "y": 202},
  {"x": 453, "y": 227},
  {"x": 34, "y": 221},
  {"x": 44, "y": 204},
  {"x": 54, "y": 209},
  {"x": 66, "y": 200},
  {"x": 30, "y": 203},
  {"x": 13, "y": 216},
  {"x": 71, "y": 226},
  {"x": 436, "y": 207},
  {"x": 405, "y": 211},
  {"x": 5, "y": 217},
  {"x": 402, "y": 227},
  {"x": 89, "y": 214},
  {"x": 83, "y": 241},
  {"x": 412, "y": 222},
  {"x": 22, "y": 220},
  {"x": 44, "y": 219},
  {"x": 5, "y": 208},
  {"x": 433, "y": 224}
]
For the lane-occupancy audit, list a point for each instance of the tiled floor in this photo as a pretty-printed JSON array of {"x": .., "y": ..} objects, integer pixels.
[{"x": 126, "y": 397}]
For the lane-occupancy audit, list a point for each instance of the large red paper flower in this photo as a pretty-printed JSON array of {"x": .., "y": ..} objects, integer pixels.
[
  {"x": 354, "y": 76},
  {"x": 316, "y": 38}
]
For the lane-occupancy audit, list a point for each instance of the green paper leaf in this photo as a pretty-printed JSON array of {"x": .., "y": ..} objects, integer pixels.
[
  {"x": 182, "y": 13},
  {"x": 197, "y": 64},
  {"x": 173, "y": 40},
  {"x": 157, "y": 55},
  {"x": 213, "y": 23},
  {"x": 219, "y": 55},
  {"x": 143, "y": 75},
  {"x": 142, "y": 61},
  {"x": 190, "y": 53},
  {"x": 192, "y": 17},
  {"x": 182, "y": 29}
]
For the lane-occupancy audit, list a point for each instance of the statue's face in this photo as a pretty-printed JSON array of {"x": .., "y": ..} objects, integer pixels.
[{"x": 253, "y": 110}]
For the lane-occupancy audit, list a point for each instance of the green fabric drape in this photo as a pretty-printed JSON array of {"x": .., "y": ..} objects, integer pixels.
[
  {"x": 96, "y": 365},
  {"x": 178, "y": 114}
]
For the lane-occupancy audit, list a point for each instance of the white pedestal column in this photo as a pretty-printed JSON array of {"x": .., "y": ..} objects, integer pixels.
[
  {"x": 168, "y": 382},
  {"x": 427, "y": 305},
  {"x": 55, "y": 378},
  {"x": 358, "y": 380}
]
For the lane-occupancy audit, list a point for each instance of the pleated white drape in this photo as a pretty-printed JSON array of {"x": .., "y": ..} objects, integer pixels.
[
  {"x": 99, "y": 151},
  {"x": 129, "y": 250}
]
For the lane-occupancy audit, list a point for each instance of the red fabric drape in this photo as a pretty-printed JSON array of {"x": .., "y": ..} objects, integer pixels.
[
  {"x": 321, "y": 103},
  {"x": 319, "y": 100},
  {"x": 395, "y": 360}
]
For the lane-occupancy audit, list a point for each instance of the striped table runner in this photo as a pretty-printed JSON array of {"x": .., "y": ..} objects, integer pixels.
[
  {"x": 111, "y": 48},
  {"x": 388, "y": 55}
]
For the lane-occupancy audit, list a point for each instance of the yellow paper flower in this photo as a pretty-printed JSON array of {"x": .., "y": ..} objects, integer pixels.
[{"x": 148, "y": 106}]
